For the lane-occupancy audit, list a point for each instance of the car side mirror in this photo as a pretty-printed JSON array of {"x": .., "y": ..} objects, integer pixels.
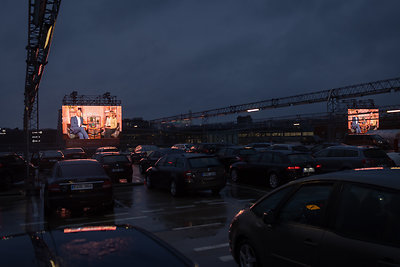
[{"x": 269, "y": 217}]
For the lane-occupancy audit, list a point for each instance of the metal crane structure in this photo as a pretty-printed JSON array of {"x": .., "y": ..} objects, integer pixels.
[
  {"x": 331, "y": 96},
  {"x": 42, "y": 15}
]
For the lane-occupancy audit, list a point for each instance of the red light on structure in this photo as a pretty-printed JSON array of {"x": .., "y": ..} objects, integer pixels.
[{"x": 89, "y": 229}]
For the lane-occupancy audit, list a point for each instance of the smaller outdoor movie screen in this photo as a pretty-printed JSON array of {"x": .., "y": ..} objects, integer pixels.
[
  {"x": 91, "y": 122},
  {"x": 362, "y": 120}
]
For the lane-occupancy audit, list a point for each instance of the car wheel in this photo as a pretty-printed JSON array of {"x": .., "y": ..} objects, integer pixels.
[
  {"x": 273, "y": 180},
  {"x": 149, "y": 184},
  {"x": 174, "y": 188},
  {"x": 247, "y": 255},
  {"x": 234, "y": 176}
]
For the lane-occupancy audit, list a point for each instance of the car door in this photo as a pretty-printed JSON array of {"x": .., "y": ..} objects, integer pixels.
[
  {"x": 167, "y": 171},
  {"x": 295, "y": 236},
  {"x": 365, "y": 230}
]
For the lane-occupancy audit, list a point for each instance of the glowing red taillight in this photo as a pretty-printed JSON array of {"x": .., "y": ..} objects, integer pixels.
[
  {"x": 107, "y": 184},
  {"x": 318, "y": 166},
  {"x": 293, "y": 168}
]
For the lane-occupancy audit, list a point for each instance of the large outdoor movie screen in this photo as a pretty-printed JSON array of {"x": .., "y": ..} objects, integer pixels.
[
  {"x": 362, "y": 120},
  {"x": 91, "y": 122}
]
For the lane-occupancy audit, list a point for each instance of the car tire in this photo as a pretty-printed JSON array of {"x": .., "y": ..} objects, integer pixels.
[
  {"x": 174, "y": 189},
  {"x": 273, "y": 180},
  {"x": 234, "y": 176},
  {"x": 246, "y": 254},
  {"x": 149, "y": 184}
]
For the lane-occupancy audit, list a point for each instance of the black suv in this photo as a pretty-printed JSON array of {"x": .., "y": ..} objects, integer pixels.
[{"x": 187, "y": 172}]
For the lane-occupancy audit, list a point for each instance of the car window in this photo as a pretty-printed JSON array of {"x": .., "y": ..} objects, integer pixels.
[
  {"x": 270, "y": 203},
  {"x": 375, "y": 153},
  {"x": 161, "y": 161},
  {"x": 300, "y": 148},
  {"x": 350, "y": 153},
  {"x": 368, "y": 213},
  {"x": 307, "y": 204},
  {"x": 322, "y": 153},
  {"x": 254, "y": 158},
  {"x": 115, "y": 158},
  {"x": 280, "y": 148},
  {"x": 202, "y": 162},
  {"x": 337, "y": 153},
  {"x": 299, "y": 158},
  {"x": 79, "y": 170}
]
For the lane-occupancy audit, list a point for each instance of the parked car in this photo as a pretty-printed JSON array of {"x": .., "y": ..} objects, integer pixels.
[
  {"x": 92, "y": 245},
  {"x": 117, "y": 166},
  {"x": 259, "y": 146},
  {"x": 347, "y": 218},
  {"x": 366, "y": 140},
  {"x": 274, "y": 168},
  {"x": 142, "y": 151},
  {"x": 46, "y": 159},
  {"x": 13, "y": 170},
  {"x": 323, "y": 145},
  {"x": 185, "y": 147},
  {"x": 186, "y": 172},
  {"x": 77, "y": 183},
  {"x": 289, "y": 147},
  {"x": 74, "y": 153},
  {"x": 232, "y": 154},
  {"x": 151, "y": 159},
  {"x": 344, "y": 157},
  {"x": 209, "y": 148}
]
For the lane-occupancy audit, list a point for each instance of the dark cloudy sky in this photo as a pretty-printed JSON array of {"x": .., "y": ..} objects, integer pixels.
[{"x": 166, "y": 57}]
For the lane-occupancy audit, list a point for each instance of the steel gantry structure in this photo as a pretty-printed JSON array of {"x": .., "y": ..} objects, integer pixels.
[
  {"x": 42, "y": 15},
  {"x": 331, "y": 96}
]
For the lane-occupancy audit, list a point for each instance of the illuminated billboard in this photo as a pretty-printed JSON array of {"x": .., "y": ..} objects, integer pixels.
[
  {"x": 91, "y": 122},
  {"x": 362, "y": 120}
]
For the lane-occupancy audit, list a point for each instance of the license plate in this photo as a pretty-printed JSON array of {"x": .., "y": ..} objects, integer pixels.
[
  {"x": 81, "y": 186},
  {"x": 208, "y": 174},
  {"x": 117, "y": 170},
  {"x": 308, "y": 170}
]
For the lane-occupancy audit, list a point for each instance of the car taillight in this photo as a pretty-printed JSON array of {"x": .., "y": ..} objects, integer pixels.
[
  {"x": 293, "y": 168},
  {"x": 107, "y": 184},
  {"x": 188, "y": 175},
  {"x": 54, "y": 188},
  {"x": 318, "y": 166}
]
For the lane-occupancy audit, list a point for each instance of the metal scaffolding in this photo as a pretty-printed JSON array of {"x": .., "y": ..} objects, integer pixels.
[{"x": 330, "y": 96}]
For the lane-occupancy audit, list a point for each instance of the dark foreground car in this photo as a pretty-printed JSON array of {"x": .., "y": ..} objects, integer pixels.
[
  {"x": 181, "y": 173},
  {"x": 117, "y": 166},
  {"x": 273, "y": 168},
  {"x": 348, "y": 218},
  {"x": 123, "y": 245},
  {"x": 46, "y": 159},
  {"x": 77, "y": 184}
]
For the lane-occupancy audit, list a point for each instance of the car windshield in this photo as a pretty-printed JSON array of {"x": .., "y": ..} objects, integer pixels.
[
  {"x": 298, "y": 158},
  {"x": 73, "y": 150},
  {"x": 115, "y": 158},
  {"x": 202, "y": 162},
  {"x": 49, "y": 154},
  {"x": 82, "y": 170}
]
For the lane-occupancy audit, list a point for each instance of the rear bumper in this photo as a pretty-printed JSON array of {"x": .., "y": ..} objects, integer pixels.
[
  {"x": 205, "y": 185},
  {"x": 80, "y": 200}
]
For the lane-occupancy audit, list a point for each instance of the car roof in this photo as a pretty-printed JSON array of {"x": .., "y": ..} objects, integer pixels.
[
  {"x": 378, "y": 176},
  {"x": 70, "y": 162}
]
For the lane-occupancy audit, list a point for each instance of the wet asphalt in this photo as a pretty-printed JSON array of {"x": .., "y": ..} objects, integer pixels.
[{"x": 195, "y": 224}]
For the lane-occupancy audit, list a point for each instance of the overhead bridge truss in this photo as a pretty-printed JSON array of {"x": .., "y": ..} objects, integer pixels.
[{"x": 331, "y": 96}]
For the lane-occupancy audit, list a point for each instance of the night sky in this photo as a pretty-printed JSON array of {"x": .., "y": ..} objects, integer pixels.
[{"x": 164, "y": 58}]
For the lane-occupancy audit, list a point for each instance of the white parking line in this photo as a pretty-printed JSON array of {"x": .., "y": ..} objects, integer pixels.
[
  {"x": 211, "y": 247},
  {"x": 195, "y": 226},
  {"x": 184, "y": 207},
  {"x": 226, "y": 258},
  {"x": 148, "y": 211}
]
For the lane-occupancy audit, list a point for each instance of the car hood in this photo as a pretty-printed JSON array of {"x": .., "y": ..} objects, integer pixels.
[{"x": 89, "y": 246}]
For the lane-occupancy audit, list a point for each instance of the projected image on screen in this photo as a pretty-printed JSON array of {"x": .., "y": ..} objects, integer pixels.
[
  {"x": 362, "y": 120},
  {"x": 91, "y": 122}
]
